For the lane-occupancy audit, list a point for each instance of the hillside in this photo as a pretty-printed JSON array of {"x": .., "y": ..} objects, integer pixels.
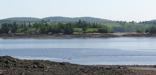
[
  {"x": 76, "y": 19},
  {"x": 53, "y": 20},
  {"x": 20, "y": 20},
  {"x": 67, "y": 25}
]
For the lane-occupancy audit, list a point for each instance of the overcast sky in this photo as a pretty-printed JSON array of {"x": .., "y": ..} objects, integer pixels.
[{"x": 126, "y": 10}]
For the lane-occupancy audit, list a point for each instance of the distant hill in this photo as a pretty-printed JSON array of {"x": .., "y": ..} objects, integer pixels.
[
  {"x": 149, "y": 22},
  {"x": 53, "y": 20},
  {"x": 20, "y": 20},
  {"x": 67, "y": 19},
  {"x": 23, "y": 19},
  {"x": 59, "y": 19}
]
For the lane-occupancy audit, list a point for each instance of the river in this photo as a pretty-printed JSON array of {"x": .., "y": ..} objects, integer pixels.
[{"x": 88, "y": 51}]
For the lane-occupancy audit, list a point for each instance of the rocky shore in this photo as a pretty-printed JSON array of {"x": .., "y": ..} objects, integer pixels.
[{"x": 13, "y": 66}]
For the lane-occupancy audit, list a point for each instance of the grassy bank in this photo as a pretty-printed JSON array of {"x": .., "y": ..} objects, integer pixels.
[{"x": 13, "y": 66}]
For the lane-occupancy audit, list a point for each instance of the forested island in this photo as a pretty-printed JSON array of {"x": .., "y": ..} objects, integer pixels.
[{"x": 72, "y": 26}]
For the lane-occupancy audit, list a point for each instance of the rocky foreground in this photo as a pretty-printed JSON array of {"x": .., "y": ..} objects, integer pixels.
[{"x": 13, "y": 66}]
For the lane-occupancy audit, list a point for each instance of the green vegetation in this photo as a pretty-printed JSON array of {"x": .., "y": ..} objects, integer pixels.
[
  {"x": 54, "y": 28},
  {"x": 74, "y": 27}
]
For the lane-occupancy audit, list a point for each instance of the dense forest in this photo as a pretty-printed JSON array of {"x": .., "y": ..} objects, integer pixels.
[{"x": 75, "y": 27}]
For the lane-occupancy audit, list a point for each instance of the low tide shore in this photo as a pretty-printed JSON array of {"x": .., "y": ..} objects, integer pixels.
[
  {"x": 13, "y": 66},
  {"x": 85, "y": 35}
]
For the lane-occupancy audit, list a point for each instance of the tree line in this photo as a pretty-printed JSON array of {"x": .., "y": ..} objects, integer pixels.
[{"x": 79, "y": 27}]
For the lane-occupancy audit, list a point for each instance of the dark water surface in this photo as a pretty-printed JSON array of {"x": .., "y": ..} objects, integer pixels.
[{"x": 106, "y": 51}]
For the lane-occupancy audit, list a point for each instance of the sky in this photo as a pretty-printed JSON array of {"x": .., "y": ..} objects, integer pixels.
[{"x": 120, "y": 10}]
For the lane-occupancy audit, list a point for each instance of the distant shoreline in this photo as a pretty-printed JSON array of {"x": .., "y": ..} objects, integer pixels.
[{"x": 84, "y": 35}]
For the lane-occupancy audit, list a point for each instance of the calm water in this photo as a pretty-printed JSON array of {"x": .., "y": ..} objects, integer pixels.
[{"x": 140, "y": 50}]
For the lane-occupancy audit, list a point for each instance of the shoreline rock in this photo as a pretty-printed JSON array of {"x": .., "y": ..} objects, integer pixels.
[{"x": 13, "y": 66}]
